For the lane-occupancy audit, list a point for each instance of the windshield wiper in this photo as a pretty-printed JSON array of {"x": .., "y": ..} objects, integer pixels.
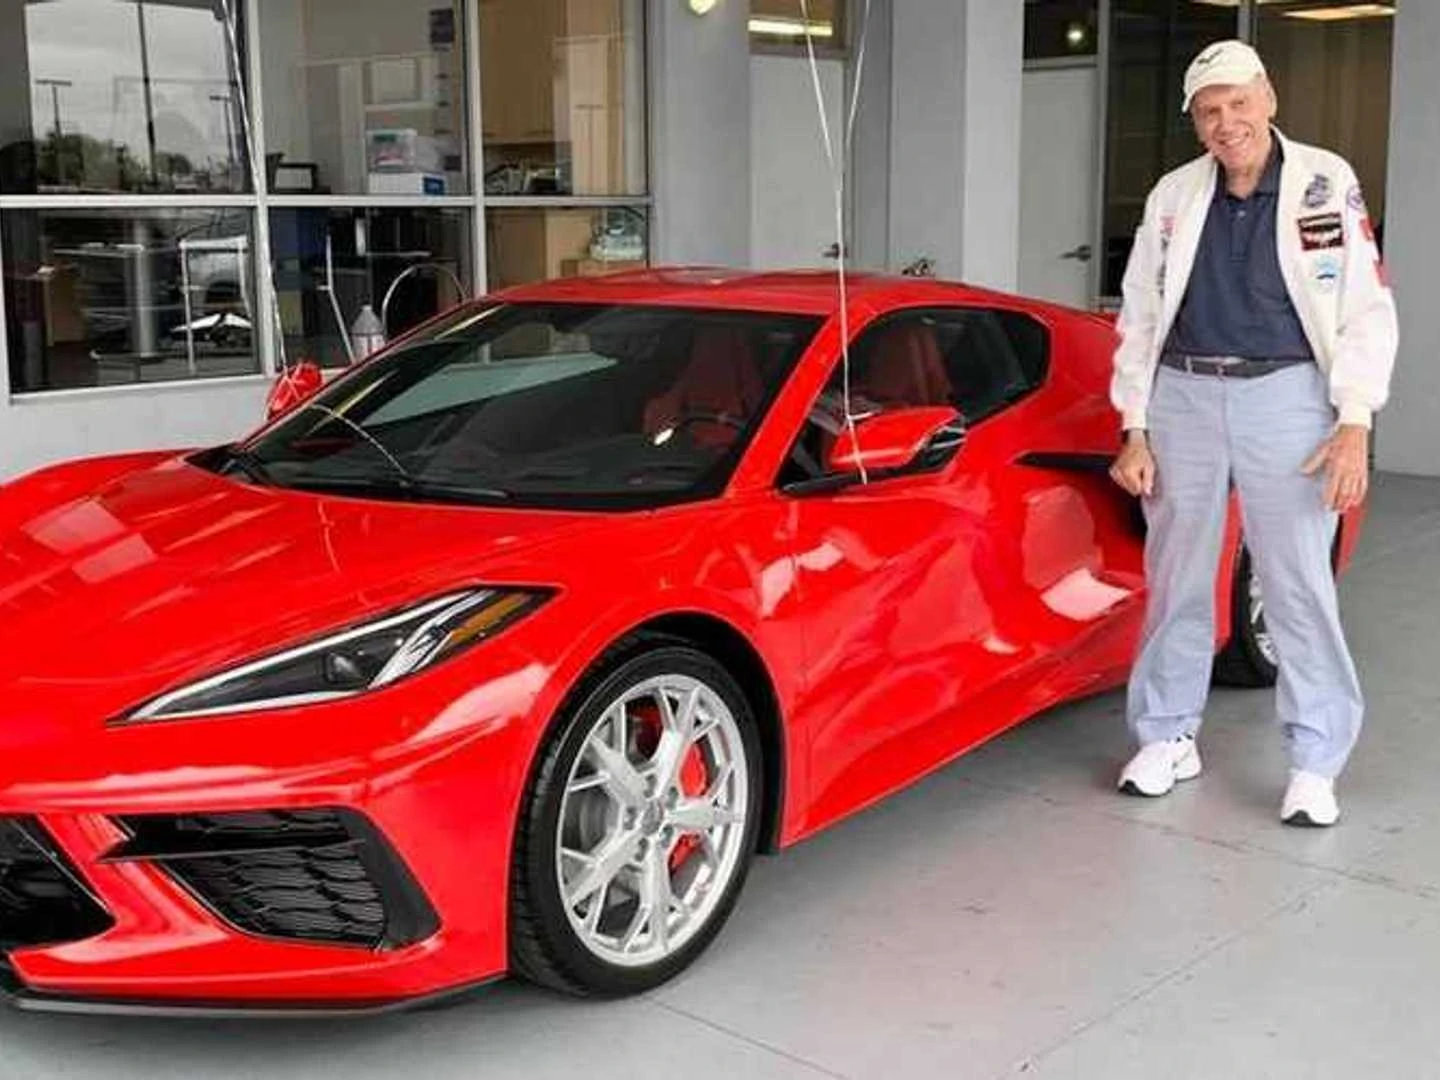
[
  {"x": 390, "y": 458},
  {"x": 248, "y": 463},
  {"x": 393, "y": 487}
]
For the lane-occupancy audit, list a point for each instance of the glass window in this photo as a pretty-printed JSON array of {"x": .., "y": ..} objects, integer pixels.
[
  {"x": 94, "y": 297},
  {"x": 1330, "y": 65},
  {"x": 563, "y": 97},
  {"x": 120, "y": 96},
  {"x": 1152, "y": 43},
  {"x": 572, "y": 405},
  {"x": 525, "y": 244},
  {"x": 974, "y": 360},
  {"x": 364, "y": 96},
  {"x": 780, "y": 23},
  {"x": 356, "y": 273},
  {"x": 1056, "y": 29}
]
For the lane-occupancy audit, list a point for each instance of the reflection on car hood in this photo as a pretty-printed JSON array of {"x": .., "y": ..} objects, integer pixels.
[{"x": 117, "y": 583}]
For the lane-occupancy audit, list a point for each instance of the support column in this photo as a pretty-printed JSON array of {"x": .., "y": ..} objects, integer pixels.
[
  {"x": 700, "y": 134},
  {"x": 955, "y": 138},
  {"x": 1407, "y": 437}
]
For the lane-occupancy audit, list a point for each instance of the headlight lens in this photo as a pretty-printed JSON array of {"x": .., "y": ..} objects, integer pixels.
[{"x": 350, "y": 662}]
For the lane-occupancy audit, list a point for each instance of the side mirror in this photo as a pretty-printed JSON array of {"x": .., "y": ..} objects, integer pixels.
[
  {"x": 891, "y": 440},
  {"x": 295, "y": 384}
]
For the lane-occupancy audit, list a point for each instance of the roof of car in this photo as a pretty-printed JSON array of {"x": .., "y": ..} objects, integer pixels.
[{"x": 807, "y": 292}]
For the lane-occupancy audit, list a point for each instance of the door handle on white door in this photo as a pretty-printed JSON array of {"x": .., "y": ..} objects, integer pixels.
[{"x": 1081, "y": 253}]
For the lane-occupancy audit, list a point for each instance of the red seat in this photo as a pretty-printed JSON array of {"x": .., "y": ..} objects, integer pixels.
[
  {"x": 903, "y": 368},
  {"x": 720, "y": 379}
]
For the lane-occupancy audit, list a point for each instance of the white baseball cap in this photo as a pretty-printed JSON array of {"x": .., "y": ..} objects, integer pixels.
[{"x": 1225, "y": 63}]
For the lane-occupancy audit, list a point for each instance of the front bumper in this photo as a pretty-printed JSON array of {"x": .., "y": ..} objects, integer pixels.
[{"x": 435, "y": 768}]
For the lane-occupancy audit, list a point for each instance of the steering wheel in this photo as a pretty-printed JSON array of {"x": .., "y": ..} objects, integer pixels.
[{"x": 685, "y": 419}]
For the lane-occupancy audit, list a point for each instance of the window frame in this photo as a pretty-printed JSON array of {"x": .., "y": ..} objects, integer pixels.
[
  {"x": 927, "y": 462},
  {"x": 260, "y": 201}
]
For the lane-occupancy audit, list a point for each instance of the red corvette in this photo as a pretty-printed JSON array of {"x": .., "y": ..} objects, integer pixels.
[{"x": 507, "y": 649}]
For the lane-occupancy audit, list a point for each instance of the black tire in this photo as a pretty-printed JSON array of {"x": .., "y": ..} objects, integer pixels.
[
  {"x": 1247, "y": 659},
  {"x": 544, "y": 947}
]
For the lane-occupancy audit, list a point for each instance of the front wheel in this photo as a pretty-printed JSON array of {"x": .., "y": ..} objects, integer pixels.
[
  {"x": 1250, "y": 657},
  {"x": 638, "y": 827}
]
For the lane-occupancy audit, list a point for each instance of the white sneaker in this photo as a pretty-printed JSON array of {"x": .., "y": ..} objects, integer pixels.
[
  {"x": 1158, "y": 765},
  {"x": 1309, "y": 800}
]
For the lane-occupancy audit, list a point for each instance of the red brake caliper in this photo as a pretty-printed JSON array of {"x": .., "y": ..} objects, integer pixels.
[
  {"x": 694, "y": 774},
  {"x": 694, "y": 782}
]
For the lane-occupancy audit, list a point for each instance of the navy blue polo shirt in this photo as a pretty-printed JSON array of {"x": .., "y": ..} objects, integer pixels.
[{"x": 1236, "y": 303}]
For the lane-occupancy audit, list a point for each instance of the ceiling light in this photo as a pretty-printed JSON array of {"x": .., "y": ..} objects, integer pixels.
[
  {"x": 791, "y": 28},
  {"x": 1337, "y": 14},
  {"x": 701, "y": 7},
  {"x": 1075, "y": 35}
]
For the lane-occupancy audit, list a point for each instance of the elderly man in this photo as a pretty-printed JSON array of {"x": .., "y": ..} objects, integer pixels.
[{"x": 1257, "y": 338}]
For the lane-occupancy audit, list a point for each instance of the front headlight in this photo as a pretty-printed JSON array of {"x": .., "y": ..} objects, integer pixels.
[{"x": 352, "y": 661}]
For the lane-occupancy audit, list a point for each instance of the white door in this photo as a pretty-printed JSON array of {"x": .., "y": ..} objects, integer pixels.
[
  {"x": 792, "y": 201},
  {"x": 1058, "y": 173}
]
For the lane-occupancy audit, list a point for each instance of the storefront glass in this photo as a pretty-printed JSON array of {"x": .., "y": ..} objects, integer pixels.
[
  {"x": 563, "y": 94},
  {"x": 1151, "y": 44},
  {"x": 342, "y": 275},
  {"x": 103, "y": 297},
  {"x": 133, "y": 212},
  {"x": 121, "y": 96},
  {"x": 1330, "y": 64},
  {"x": 364, "y": 98},
  {"x": 526, "y": 244}
]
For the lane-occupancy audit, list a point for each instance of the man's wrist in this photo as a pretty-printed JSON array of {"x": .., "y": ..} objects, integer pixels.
[{"x": 1135, "y": 435}]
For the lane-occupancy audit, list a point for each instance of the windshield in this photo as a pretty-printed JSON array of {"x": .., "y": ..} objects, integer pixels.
[{"x": 563, "y": 405}]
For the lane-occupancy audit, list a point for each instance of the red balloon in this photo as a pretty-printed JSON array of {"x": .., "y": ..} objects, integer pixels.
[{"x": 295, "y": 384}]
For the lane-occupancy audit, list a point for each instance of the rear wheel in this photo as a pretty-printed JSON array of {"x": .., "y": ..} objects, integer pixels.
[
  {"x": 638, "y": 827},
  {"x": 1250, "y": 657}
]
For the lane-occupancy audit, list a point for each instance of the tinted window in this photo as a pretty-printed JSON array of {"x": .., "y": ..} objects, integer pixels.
[
  {"x": 975, "y": 360},
  {"x": 567, "y": 405}
]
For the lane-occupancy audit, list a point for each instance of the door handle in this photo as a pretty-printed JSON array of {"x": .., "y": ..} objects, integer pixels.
[{"x": 1081, "y": 253}]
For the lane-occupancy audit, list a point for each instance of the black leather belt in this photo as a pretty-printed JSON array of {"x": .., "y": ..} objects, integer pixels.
[{"x": 1230, "y": 367}]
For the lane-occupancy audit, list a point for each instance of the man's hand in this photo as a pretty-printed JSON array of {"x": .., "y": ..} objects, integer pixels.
[
  {"x": 1134, "y": 469},
  {"x": 1346, "y": 458}
]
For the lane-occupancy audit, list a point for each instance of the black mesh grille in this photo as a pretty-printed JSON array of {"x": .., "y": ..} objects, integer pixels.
[
  {"x": 309, "y": 875},
  {"x": 42, "y": 899}
]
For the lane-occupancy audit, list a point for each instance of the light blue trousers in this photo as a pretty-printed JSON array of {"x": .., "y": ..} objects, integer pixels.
[{"x": 1207, "y": 431}]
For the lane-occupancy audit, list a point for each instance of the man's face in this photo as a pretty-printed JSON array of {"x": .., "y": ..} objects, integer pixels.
[{"x": 1233, "y": 122}]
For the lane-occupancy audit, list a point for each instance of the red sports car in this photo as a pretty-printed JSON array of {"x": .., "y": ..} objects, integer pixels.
[{"x": 506, "y": 650}]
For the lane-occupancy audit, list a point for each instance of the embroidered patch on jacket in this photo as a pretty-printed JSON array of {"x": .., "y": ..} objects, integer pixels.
[
  {"x": 1355, "y": 200},
  {"x": 1317, "y": 194},
  {"x": 1320, "y": 231},
  {"x": 1326, "y": 272}
]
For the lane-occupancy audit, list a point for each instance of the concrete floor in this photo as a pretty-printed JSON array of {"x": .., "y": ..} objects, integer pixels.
[{"x": 1009, "y": 916}]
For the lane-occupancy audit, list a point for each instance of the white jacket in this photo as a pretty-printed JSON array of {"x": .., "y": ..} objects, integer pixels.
[{"x": 1328, "y": 257}]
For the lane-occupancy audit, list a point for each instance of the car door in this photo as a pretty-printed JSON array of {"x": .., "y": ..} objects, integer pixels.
[{"x": 931, "y": 590}]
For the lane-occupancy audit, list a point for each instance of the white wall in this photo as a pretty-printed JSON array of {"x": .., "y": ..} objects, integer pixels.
[
  {"x": 1407, "y": 437},
  {"x": 700, "y": 134},
  {"x": 44, "y": 428}
]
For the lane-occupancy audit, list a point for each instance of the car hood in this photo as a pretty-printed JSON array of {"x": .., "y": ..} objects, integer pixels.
[{"x": 119, "y": 579}]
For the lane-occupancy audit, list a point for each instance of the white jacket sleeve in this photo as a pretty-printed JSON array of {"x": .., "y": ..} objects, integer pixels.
[
  {"x": 1367, "y": 332},
  {"x": 1139, "y": 320}
]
